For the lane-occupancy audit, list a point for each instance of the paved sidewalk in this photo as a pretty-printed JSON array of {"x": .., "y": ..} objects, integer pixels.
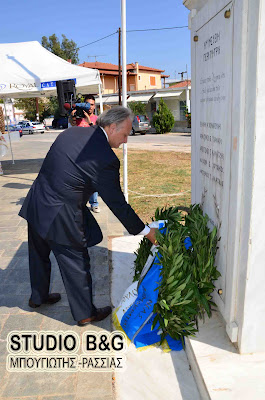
[{"x": 15, "y": 290}]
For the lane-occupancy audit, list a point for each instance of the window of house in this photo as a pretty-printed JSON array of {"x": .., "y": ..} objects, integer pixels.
[
  {"x": 152, "y": 80},
  {"x": 182, "y": 107},
  {"x": 139, "y": 77}
]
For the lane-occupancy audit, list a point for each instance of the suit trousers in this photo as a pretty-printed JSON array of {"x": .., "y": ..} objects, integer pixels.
[{"x": 74, "y": 265}]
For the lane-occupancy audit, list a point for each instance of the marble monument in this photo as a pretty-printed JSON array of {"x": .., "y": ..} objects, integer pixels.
[{"x": 228, "y": 154}]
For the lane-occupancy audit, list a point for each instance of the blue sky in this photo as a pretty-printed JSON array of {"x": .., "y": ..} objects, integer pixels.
[{"x": 85, "y": 22}]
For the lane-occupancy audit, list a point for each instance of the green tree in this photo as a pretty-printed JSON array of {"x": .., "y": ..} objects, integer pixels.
[
  {"x": 67, "y": 49},
  {"x": 163, "y": 119},
  {"x": 29, "y": 106},
  {"x": 51, "y": 108},
  {"x": 137, "y": 107}
]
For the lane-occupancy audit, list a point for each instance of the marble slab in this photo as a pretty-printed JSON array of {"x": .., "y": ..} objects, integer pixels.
[{"x": 150, "y": 374}]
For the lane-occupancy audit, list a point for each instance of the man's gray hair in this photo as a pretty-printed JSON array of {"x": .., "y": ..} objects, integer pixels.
[{"x": 115, "y": 115}]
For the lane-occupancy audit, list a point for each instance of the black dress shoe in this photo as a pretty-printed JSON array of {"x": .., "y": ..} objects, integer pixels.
[
  {"x": 101, "y": 313},
  {"x": 52, "y": 299}
]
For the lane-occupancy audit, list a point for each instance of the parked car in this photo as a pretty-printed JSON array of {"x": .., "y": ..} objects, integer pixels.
[
  {"x": 14, "y": 128},
  {"x": 140, "y": 124},
  {"x": 38, "y": 127},
  {"x": 27, "y": 128},
  {"x": 20, "y": 123},
  {"x": 32, "y": 127}
]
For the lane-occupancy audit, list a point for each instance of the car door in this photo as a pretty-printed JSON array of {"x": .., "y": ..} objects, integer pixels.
[
  {"x": 28, "y": 128},
  {"x": 25, "y": 128}
]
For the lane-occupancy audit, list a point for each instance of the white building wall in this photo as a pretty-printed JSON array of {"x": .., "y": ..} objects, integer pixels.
[
  {"x": 173, "y": 105},
  {"x": 14, "y": 115}
]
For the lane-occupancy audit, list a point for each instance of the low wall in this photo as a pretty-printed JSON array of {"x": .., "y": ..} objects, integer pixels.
[
  {"x": 181, "y": 126},
  {"x": 14, "y": 136}
]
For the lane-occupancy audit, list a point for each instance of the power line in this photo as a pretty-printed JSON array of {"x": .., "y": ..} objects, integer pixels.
[
  {"x": 95, "y": 41},
  {"x": 157, "y": 29},
  {"x": 132, "y": 30}
]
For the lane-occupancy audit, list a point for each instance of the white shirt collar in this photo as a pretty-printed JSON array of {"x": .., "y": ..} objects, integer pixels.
[{"x": 105, "y": 133}]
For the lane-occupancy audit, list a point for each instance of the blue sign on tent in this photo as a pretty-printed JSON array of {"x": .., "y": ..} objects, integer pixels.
[
  {"x": 45, "y": 85},
  {"x": 51, "y": 84}
]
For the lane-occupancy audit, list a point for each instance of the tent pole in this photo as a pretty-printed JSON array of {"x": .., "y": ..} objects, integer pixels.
[
  {"x": 100, "y": 98},
  {"x": 124, "y": 94},
  {"x": 13, "y": 162}
]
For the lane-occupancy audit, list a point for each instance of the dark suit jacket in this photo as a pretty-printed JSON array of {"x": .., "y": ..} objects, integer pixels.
[{"x": 79, "y": 163}]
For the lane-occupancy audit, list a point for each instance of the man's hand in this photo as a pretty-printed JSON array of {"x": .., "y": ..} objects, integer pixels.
[
  {"x": 87, "y": 118},
  {"x": 72, "y": 118},
  {"x": 152, "y": 235}
]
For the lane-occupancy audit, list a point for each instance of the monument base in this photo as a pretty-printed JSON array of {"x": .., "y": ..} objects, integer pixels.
[{"x": 219, "y": 370}]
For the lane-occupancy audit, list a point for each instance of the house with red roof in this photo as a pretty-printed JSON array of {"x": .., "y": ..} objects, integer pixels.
[
  {"x": 139, "y": 77},
  {"x": 181, "y": 84},
  {"x": 147, "y": 85}
]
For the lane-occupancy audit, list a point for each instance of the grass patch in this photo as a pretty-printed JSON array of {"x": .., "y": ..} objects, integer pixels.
[{"x": 157, "y": 173}]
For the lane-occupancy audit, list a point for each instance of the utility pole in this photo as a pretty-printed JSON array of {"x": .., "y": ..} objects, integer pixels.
[
  {"x": 37, "y": 109},
  {"x": 119, "y": 58},
  {"x": 182, "y": 74}
]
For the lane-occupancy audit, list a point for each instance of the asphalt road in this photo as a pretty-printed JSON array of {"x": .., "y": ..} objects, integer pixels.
[{"x": 167, "y": 142}]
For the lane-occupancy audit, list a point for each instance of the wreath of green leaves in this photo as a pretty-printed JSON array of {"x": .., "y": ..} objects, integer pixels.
[{"x": 187, "y": 275}]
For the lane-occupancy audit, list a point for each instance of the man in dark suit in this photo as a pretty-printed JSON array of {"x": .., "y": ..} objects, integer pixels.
[{"x": 80, "y": 162}]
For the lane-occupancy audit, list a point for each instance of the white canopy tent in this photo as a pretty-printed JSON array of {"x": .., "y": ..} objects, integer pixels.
[{"x": 29, "y": 70}]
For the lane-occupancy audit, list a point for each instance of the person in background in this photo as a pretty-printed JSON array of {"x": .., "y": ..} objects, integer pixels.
[{"x": 90, "y": 119}]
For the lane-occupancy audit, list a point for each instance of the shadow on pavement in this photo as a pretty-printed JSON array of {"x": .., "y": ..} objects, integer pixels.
[
  {"x": 17, "y": 186},
  {"x": 31, "y": 166},
  {"x": 15, "y": 291},
  {"x": 20, "y": 201}
]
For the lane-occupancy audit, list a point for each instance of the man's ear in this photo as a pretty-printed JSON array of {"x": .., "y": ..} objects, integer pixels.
[{"x": 112, "y": 128}]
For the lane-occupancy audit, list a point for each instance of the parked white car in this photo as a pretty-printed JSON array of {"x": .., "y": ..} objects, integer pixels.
[
  {"x": 38, "y": 127},
  {"x": 26, "y": 128},
  {"x": 32, "y": 127}
]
